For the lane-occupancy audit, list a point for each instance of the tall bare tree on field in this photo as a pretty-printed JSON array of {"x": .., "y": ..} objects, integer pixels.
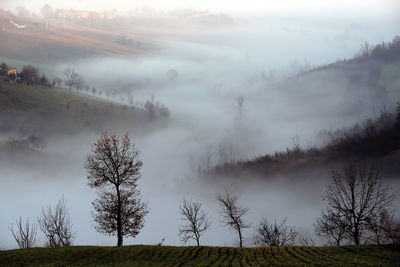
[
  {"x": 232, "y": 214},
  {"x": 196, "y": 218},
  {"x": 56, "y": 225},
  {"x": 24, "y": 235},
  {"x": 274, "y": 234},
  {"x": 114, "y": 169},
  {"x": 355, "y": 197},
  {"x": 71, "y": 78}
]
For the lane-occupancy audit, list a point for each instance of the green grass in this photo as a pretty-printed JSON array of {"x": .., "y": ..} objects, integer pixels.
[
  {"x": 390, "y": 79},
  {"x": 203, "y": 256},
  {"x": 57, "y": 110}
]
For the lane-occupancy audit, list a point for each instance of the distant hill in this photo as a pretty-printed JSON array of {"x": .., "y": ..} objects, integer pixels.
[
  {"x": 373, "y": 78},
  {"x": 203, "y": 256},
  {"x": 53, "y": 40}
]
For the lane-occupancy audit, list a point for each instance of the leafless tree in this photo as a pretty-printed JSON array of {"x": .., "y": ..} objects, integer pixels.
[
  {"x": 25, "y": 236},
  {"x": 306, "y": 239},
  {"x": 365, "y": 50},
  {"x": 239, "y": 104},
  {"x": 225, "y": 154},
  {"x": 295, "y": 142},
  {"x": 332, "y": 226},
  {"x": 150, "y": 107},
  {"x": 392, "y": 231},
  {"x": 384, "y": 228},
  {"x": 70, "y": 78},
  {"x": 196, "y": 218},
  {"x": 130, "y": 100},
  {"x": 114, "y": 168},
  {"x": 56, "y": 225},
  {"x": 274, "y": 234},
  {"x": 79, "y": 82},
  {"x": 232, "y": 214},
  {"x": 355, "y": 197}
]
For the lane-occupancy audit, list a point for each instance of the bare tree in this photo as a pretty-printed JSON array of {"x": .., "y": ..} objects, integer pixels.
[
  {"x": 150, "y": 107},
  {"x": 79, "y": 82},
  {"x": 225, "y": 154},
  {"x": 197, "y": 221},
  {"x": 383, "y": 228},
  {"x": 306, "y": 239},
  {"x": 25, "y": 236},
  {"x": 332, "y": 226},
  {"x": 114, "y": 168},
  {"x": 274, "y": 234},
  {"x": 392, "y": 231},
  {"x": 56, "y": 225},
  {"x": 355, "y": 197},
  {"x": 232, "y": 214},
  {"x": 239, "y": 105},
  {"x": 70, "y": 78},
  {"x": 365, "y": 50}
]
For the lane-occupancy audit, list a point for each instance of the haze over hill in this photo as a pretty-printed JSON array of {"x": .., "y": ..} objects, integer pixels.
[{"x": 198, "y": 69}]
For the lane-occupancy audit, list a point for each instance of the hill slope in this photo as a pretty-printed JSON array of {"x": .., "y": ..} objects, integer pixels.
[
  {"x": 203, "y": 256},
  {"x": 54, "y": 111}
]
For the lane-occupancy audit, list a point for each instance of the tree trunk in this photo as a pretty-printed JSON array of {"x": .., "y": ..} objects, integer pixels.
[
  {"x": 119, "y": 225},
  {"x": 356, "y": 235},
  {"x": 240, "y": 238},
  {"x": 198, "y": 242}
]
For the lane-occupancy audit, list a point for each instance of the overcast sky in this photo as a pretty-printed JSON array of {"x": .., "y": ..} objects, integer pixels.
[{"x": 334, "y": 7}]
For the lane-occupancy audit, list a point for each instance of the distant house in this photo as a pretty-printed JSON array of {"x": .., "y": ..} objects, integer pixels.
[{"x": 9, "y": 72}]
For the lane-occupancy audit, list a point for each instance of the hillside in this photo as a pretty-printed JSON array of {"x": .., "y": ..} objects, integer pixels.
[
  {"x": 49, "y": 110},
  {"x": 374, "y": 140},
  {"x": 203, "y": 256},
  {"x": 373, "y": 80},
  {"x": 50, "y": 41}
]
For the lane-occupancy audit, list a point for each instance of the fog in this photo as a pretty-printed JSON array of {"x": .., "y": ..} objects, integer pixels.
[{"x": 252, "y": 59}]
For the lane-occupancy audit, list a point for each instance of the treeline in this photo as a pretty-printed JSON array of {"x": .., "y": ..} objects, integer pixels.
[
  {"x": 72, "y": 80},
  {"x": 29, "y": 74},
  {"x": 369, "y": 139},
  {"x": 359, "y": 207},
  {"x": 368, "y": 53}
]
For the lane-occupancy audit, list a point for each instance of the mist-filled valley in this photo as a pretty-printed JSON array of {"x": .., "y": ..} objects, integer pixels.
[{"x": 198, "y": 96}]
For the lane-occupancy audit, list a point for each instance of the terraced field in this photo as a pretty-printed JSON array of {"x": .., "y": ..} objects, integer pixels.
[{"x": 203, "y": 256}]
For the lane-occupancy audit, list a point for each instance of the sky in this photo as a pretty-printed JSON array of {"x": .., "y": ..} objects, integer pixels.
[{"x": 288, "y": 7}]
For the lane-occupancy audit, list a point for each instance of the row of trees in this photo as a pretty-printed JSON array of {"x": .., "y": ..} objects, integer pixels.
[
  {"x": 359, "y": 207},
  {"x": 75, "y": 80},
  {"x": 359, "y": 210}
]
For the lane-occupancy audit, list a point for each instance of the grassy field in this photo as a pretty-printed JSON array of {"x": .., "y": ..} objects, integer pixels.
[
  {"x": 57, "y": 110},
  {"x": 390, "y": 79},
  {"x": 203, "y": 256}
]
